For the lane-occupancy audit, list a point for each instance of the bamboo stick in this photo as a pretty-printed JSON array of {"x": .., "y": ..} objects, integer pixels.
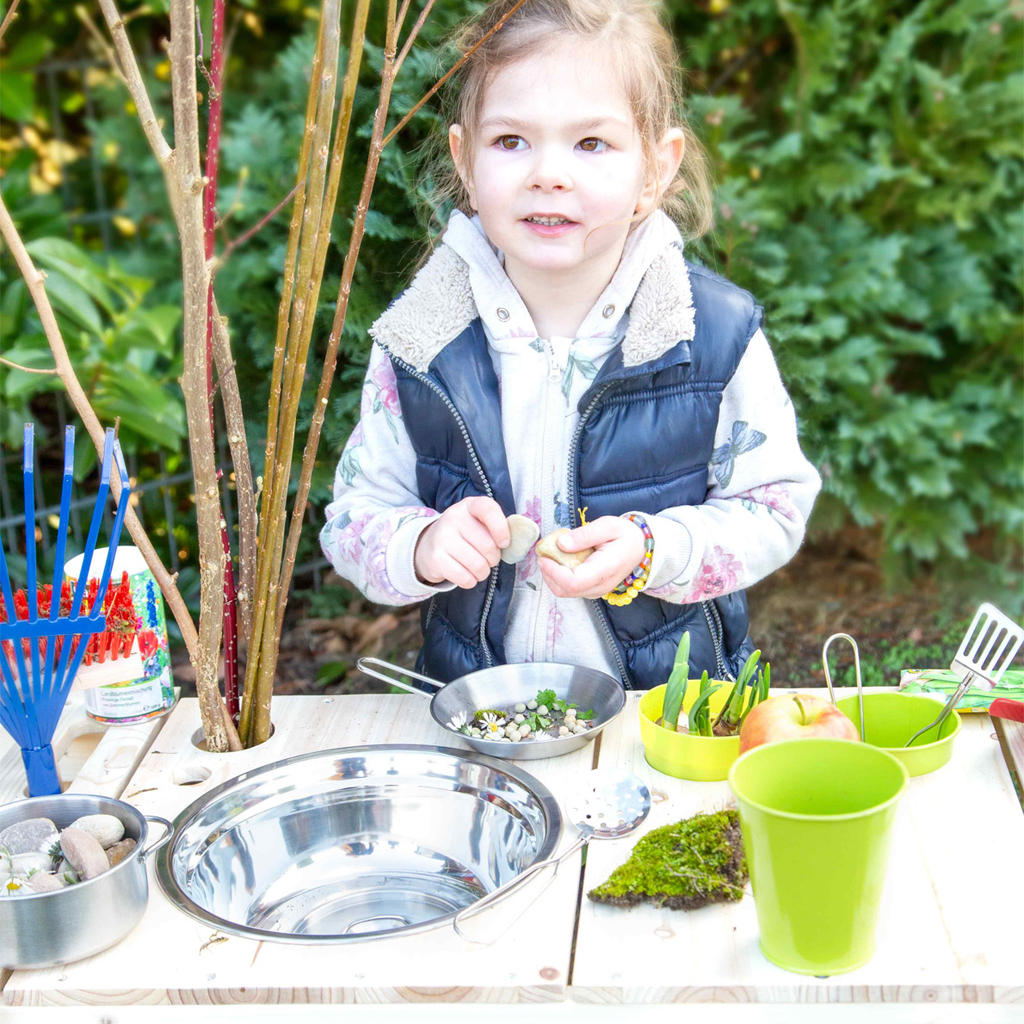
[
  {"x": 315, "y": 231},
  {"x": 264, "y": 572}
]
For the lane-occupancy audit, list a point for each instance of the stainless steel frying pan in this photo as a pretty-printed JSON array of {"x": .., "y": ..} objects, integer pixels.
[{"x": 506, "y": 685}]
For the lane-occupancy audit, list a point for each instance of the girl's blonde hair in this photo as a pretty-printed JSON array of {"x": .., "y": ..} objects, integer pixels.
[{"x": 644, "y": 56}]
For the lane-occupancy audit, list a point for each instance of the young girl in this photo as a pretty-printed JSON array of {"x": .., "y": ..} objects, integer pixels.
[{"x": 557, "y": 357}]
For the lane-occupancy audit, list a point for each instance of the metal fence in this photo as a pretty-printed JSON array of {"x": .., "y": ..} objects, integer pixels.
[{"x": 157, "y": 498}]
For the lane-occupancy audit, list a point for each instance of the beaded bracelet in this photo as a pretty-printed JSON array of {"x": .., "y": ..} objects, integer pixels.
[{"x": 638, "y": 578}]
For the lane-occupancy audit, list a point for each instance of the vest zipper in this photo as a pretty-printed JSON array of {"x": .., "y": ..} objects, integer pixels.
[
  {"x": 461, "y": 423},
  {"x": 601, "y": 614},
  {"x": 717, "y": 633}
]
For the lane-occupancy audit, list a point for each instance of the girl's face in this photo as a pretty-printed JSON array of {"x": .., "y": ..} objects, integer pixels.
[{"x": 556, "y": 141}]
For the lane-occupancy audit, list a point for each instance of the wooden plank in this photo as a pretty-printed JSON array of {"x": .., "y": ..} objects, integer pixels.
[
  {"x": 1012, "y": 736},
  {"x": 941, "y": 936},
  {"x": 539, "y": 1013},
  {"x": 170, "y": 958}
]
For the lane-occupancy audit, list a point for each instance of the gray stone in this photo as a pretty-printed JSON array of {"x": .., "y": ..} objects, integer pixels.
[
  {"x": 83, "y": 853},
  {"x": 104, "y": 828},
  {"x": 44, "y": 882},
  {"x": 33, "y": 835},
  {"x": 23, "y": 864},
  {"x": 523, "y": 535}
]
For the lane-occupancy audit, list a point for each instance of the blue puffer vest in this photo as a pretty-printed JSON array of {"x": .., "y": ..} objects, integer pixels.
[{"x": 644, "y": 440}]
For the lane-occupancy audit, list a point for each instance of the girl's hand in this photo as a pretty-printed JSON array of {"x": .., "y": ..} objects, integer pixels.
[
  {"x": 463, "y": 545},
  {"x": 619, "y": 548}
]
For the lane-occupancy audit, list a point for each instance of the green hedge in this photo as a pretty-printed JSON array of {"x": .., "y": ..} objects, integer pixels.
[{"x": 869, "y": 166}]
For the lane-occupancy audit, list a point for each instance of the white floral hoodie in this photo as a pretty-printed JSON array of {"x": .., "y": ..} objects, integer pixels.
[{"x": 760, "y": 487}]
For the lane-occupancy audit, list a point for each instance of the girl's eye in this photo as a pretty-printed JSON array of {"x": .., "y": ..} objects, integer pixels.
[
  {"x": 593, "y": 145},
  {"x": 509, "y": 142}
]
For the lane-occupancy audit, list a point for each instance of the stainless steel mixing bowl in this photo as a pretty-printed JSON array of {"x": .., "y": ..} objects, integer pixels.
[{"x": 356, "y": 843}]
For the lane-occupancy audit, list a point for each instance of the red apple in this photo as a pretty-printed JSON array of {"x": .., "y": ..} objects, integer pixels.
[{"x": 794, "y": 716}]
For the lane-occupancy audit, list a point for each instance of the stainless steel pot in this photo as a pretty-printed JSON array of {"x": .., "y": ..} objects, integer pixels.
[
  {"x": 504, "y": 686},
  {"x": 50, "y": 928},
  {"x": 356, "y": 843}
]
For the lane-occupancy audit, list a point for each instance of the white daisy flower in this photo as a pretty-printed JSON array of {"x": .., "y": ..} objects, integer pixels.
[
  {"x": 457, "y": 722},
  {"x": 488, "y": 718}
]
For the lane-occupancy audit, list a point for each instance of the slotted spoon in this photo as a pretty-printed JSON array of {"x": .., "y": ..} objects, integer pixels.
[
  {"x": 985, "y": 654},
  {"x": 609, "y": 803}
]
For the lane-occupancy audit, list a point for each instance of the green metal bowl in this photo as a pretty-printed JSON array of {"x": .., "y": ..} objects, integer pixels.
[{"x": 890, "y": 719}]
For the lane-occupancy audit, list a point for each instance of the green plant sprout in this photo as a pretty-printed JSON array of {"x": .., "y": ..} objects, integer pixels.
[
  {"x": 676, "y": 685},
  {"x": 700, "y": 713},
  {"x": 728, "y": 721}
]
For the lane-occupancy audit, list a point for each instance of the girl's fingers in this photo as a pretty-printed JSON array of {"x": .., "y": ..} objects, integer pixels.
[
  {"x": 600, "y": 531},
  {"x": 466, "y": 555},
  {"x": 457, "y": 573},
  {"x": 476, "y": 535},
  {"x": 488, "y": 512},
  {"x": 579, "y": 582}
]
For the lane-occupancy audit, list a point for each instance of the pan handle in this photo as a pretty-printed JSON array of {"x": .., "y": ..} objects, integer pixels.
[{"x": 363, "y": 664}]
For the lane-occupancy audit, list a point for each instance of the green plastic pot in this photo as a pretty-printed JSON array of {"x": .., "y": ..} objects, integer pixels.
[
  {"x": 890, "y": 719},
  {"x": 817, "y": 818},
  {"x": 698, "y": 758}
]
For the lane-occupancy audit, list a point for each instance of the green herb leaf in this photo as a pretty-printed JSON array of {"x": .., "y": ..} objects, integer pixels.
[{"x": 546, "y": 697}]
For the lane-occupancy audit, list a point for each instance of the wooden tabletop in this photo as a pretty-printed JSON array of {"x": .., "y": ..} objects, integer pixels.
[{"x": 947, "y": 934}]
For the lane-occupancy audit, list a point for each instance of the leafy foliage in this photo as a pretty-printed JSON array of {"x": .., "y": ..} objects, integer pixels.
[
  {"x": 122, "y": 345},
  {"x": 869, "y": 157}
]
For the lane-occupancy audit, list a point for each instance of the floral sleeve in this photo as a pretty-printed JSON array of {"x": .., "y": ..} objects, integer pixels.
[
  {"x": 376, "y": 516},
  {"x": 760, "y": 493}
]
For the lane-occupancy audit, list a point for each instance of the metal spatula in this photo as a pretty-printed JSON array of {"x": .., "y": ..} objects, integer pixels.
[
  {"x": 609, "y": 803},
  {"x": 985, "y": 654}
]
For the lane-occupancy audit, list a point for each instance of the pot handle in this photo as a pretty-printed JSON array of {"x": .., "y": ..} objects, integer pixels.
[
  {"x": 363, "y": 665},
  {"x": 168, "y": 830}
]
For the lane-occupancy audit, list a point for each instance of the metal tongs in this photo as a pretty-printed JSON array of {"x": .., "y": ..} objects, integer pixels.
[{"x": 856, "y": 668}]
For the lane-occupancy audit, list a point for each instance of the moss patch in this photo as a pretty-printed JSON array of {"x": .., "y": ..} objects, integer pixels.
[{"x": 682, "y": 866}]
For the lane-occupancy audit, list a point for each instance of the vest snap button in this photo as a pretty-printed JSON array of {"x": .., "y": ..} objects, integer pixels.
[
  {"x": 608, "y": 310},
  {"x": 503, "y": 314}
]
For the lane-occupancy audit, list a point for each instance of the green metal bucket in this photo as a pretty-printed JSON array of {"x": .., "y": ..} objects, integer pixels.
[{"x": 817, "y": 818}]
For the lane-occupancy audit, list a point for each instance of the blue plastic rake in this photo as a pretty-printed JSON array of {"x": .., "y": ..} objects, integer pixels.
[{"x": 33, "y": 692}]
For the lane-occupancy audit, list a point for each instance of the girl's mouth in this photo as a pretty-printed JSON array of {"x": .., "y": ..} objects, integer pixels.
[{"x": 549, "y": 227}]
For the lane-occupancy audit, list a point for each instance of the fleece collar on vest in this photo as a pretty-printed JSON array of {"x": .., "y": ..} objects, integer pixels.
[{"x": 438, "y": 306}]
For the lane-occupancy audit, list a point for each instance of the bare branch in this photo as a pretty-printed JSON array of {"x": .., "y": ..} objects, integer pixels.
[
  {"x": 9, "y": 17},
  {"x": 451, "y": 71},
  {"x": 27, "y": 369},
  {"x": 186, "y": 185},
  {"x": 263, "y": 222},
  {"x": 245, "y": 495},
  {"x": 413, "y": 33},
  {"x": 401, "y": 17},
  {"x": 34, "y": 280},
  {"x": 341, "y": 308},
  {"x": 98, "y": 37},
  {"x": 136, "y": 86}
]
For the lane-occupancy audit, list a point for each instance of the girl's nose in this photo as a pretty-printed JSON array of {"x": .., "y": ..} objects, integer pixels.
[{"x": 550, "y": 172}]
